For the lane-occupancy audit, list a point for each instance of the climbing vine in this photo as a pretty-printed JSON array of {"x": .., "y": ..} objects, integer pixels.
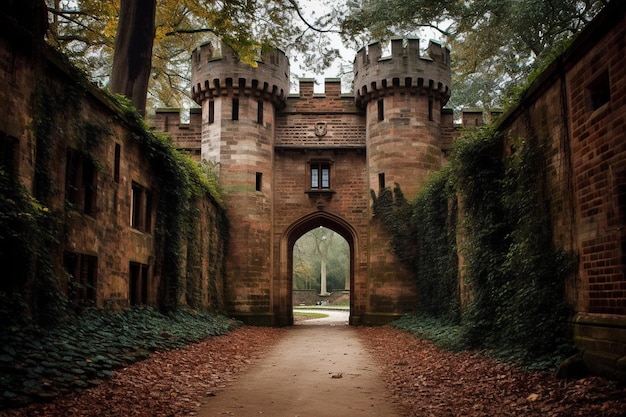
[
  {"x": 182, "y": 184},
  {"x": 31, "y": 229},
  {"x": 436, "y": 264},
  {"x": 513, "y": 273}
]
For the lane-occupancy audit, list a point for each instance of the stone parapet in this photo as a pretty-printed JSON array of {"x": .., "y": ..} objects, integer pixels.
[
  {"x": 376, "y": 76},
  {"x": 218, "y": 71}
]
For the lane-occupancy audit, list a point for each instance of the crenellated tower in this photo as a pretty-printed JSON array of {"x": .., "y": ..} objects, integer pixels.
[
  {"x": 239, "y": 104},
  {"x": 403, "y": 96},
  {"x": 289, "y": 163}
]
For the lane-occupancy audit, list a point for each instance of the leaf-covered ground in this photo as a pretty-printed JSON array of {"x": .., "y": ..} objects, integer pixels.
[
  {"x": 170, "y": 383},
  {"x": 426, "y": 380},
  {"x": 39, "y": 364}
]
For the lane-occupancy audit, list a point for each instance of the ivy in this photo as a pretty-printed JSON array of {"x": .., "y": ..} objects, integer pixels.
[
  {"x": 182, "y": 184},
  {"x": 29, "y": 227},
  {"x": 513, "y": 273},
  {"x": 28, "y": 234},
  {"x": 435, "y": 262}
]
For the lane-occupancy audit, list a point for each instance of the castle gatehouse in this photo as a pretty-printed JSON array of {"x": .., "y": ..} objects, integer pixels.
[{"x": 291, "y": 163}]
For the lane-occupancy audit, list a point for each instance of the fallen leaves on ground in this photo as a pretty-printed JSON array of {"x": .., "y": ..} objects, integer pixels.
[
  {"x": 430, "y": 382},
  {"x": 171, "y": 383},
  {"x": 426, "y": 381}
]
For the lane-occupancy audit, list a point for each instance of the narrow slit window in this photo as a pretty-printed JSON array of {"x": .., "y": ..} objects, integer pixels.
[
  {"x": 381, "y": 181},
  {"x": 211, "y": 112},
  {"x": 259, "y": 181},
  {"x": 381, "y": 110},
  {"x": 235, "y": 109},
  {"x": 430, "y": 109},
  {"x": 259, "y": 112},
  {"x": 116, "y": 162}
]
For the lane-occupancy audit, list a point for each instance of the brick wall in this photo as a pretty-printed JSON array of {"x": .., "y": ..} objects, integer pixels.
[
  {"x": 187, "y": 136},
  {"x": 577, "y": 109},
  {"x": 97, "y": 172},
  {"x": 598, "y": 126}
]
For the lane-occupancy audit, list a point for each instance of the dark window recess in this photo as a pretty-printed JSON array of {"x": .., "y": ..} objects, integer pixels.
[
  {"x": 381, "y": 181},
  {"x": 259, "y": 181},
  {"x": 259, "y": 112},
  {"x": 320, "y": 176},
  {"x": 598, "y": 92},
  {"x": 141, "y": 208},
  {"x": 80, "y": 182},
  {"x": 7, "y": 153},
  {"x": 235, "y": 109},
  {"x": 381, "y": 110},
  {"x": 430, "y": 109},
  {"x": 81, "y": 281},
  {"x": 211, "y": 111},
  {"x": 138, "y": 283},
  {"x": 116, "y": 162}
]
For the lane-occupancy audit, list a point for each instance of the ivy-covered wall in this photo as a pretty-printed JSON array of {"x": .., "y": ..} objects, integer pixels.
[
  {"x": 483, "y": 209},
  {"x": 95, "y": 209},
  {"x": 538, "y": 237}
]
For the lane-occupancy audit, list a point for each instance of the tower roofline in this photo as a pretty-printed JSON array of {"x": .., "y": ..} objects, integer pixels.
[
  {"x": 217, "y": 70},
  {"x": 405, "y": 68}
]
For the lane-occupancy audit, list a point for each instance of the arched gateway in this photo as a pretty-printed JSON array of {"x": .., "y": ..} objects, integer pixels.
[
  {"x": 289, "y": 163},
  {"x": 283, "y": 307}
]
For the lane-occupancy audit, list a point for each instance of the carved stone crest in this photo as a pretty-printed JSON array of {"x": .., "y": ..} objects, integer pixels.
[{"x": 320, "y": 129}]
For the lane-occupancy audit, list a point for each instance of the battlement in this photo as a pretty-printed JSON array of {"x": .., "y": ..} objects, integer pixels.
[
  {"x": 216, "y": 70},
  {"x": 375, "y": 75}
]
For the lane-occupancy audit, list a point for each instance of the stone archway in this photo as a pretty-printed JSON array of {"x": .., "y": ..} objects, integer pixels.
[{"x": 283, "y": 288}]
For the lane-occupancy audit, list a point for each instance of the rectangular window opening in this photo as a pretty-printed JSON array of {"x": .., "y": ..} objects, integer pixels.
[
  {"x": 381, "y": 181},
  {"x": 259, "y": 112},
  {"x": 211, "y": 111},
  {"x": 381, "y": 110},
  {"x": 7, "y": 153},
  {"x": 235, "y": 109},
  {"x": 138, "y": 283},
  {"x": 81, "y": 278},
  {"x": 141, "y": 208},
  {"x": 116, "y": 162},
  {"x": 80, "y": 182},
  {"x": 430, "y": 109},
  {"x": 598, "y": 92},
  {"x": 259, "y": 181},
  {"x": 320, "y": 175}
]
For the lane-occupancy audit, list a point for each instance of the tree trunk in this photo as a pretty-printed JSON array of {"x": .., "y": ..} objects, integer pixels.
[{"x": 132, "y": 60}]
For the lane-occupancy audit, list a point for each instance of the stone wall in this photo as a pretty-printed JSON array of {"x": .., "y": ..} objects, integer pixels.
[
  {"x": 84, "y": 158},
  {"x": 577, "y": 110}
]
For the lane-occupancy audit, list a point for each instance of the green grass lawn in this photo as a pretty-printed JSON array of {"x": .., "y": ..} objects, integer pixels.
[
  {"x": 326, "y": 307},
  {"x": 309, "y": 315}
]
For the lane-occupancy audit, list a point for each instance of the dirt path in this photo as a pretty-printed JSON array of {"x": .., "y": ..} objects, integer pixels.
[
  {"x": 288, "y": 372},
  {"x": 314, "y": 371}
]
